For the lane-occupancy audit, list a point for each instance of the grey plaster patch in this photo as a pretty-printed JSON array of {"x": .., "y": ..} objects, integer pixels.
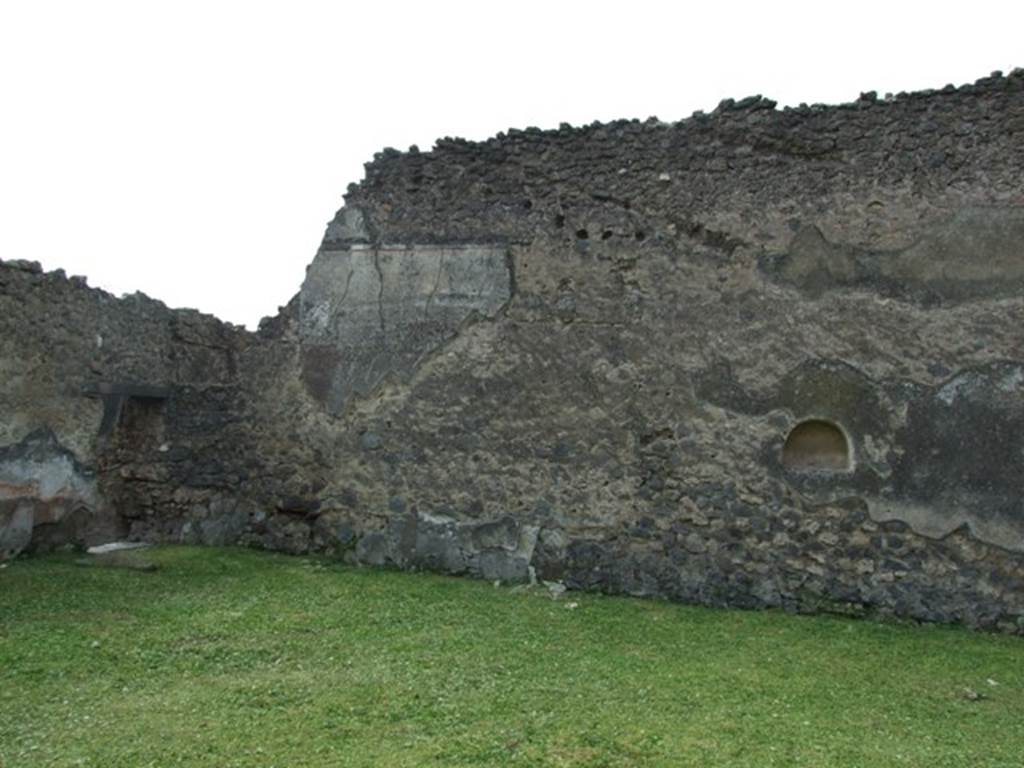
[
  {"x": 961, "y": 458},
  {"x": 978, "y": 253},
  {"x": 937, "y": 521},
  {"x": 367, "y": 313},
  {"x": 348, "y": 226}
]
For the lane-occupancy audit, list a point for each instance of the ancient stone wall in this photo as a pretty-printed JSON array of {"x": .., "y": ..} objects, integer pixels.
[
  {"x": 106, "y": 404},
  {"x": 759, "y": 357}
]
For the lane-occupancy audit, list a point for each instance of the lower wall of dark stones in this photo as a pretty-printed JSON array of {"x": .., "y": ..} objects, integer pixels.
[{"x": 832, "y": 559}]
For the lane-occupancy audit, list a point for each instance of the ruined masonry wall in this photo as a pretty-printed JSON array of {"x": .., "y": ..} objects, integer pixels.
[{"x": 758, "y": 357}]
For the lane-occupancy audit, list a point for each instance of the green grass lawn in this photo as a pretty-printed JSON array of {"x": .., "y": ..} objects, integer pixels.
[{"x": 238, "y": 658}]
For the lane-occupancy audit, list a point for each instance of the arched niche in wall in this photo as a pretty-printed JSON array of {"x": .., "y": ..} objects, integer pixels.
[{"x": 816, "y": 445}]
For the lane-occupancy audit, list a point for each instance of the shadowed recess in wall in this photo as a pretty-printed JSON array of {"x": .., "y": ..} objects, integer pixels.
[
  {"x": 125, "y": 403},
  {"x": 816, "y": 446}
]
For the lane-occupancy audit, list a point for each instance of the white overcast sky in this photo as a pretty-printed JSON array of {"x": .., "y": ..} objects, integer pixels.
[{"x": 195, "y": 150}]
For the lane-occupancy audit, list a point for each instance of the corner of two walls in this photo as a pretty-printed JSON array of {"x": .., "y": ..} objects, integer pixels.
[{"x": 106, "y": 404}]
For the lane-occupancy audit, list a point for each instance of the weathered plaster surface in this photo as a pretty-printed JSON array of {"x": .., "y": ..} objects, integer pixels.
[
  {"x": 369, "y": 313},
  {"x": 975, "y": 253},
  {"x": 44, "y": 492}
]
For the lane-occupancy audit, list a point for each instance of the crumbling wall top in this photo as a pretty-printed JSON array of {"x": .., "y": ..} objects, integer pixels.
[{"x": 744, "y": 153}]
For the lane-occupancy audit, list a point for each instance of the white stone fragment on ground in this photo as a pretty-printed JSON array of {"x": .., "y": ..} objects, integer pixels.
[{"x": 115, "y": 546}]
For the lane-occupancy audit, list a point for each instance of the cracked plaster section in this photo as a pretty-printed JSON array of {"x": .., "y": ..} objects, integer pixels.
[
  {"x": 376, "y": 312},
  {"x": 577, "y": 354}
]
